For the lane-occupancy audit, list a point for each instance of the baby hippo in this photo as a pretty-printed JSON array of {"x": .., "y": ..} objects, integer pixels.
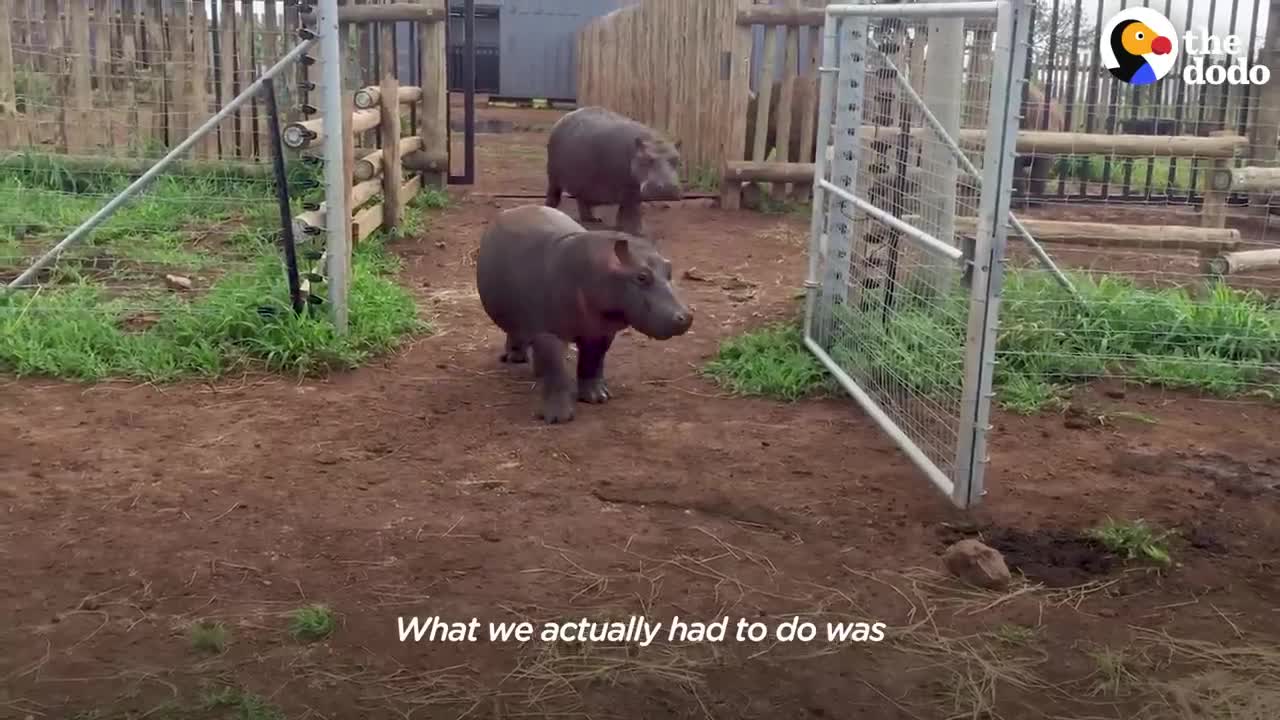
[
  {"x": 603, "y": 158},
  {"x": 546, "y": 281}
]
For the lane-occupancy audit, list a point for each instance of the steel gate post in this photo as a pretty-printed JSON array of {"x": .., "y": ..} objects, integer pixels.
[{"x": 989, "y": 250}]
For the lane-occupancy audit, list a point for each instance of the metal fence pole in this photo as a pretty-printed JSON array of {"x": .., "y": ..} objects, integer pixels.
[
  {"x": 818, "y": 221},
  {"x": 163, "y": 164},
  {"x": 992, "y": 235},
  {"x": 337, "y": 214}
]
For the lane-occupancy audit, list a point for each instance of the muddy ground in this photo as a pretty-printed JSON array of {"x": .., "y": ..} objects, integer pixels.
[{"x": 423, "y": 485}]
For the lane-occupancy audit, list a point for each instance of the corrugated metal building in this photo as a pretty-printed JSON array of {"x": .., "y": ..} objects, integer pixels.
[{"x": 524, "y": 48}]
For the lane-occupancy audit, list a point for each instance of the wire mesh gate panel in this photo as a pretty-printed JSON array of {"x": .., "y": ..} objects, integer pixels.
[{"x": 898, "y": 310}]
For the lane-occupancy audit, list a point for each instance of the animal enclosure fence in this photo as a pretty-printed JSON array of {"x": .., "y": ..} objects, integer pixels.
[
  {"x": 195, "y": 230},
  {"x": 903, "y": 317}
]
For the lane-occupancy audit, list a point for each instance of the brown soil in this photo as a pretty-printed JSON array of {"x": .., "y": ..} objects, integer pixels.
[{"x": 423, "y": 485}]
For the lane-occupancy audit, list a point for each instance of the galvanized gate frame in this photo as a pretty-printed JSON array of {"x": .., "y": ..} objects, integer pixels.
[{"x": 964, "y": 486}]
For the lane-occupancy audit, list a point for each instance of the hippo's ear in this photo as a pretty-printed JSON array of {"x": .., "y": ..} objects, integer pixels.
[
  {"x": 678, "y": 145},
  {"x": 622, "y": 251},
  {"x": 643, "y": 147}
]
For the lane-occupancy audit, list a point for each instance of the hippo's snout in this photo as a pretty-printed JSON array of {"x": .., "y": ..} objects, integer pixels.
[
  {"x": 677, "y": 323},
  {"x": 683, "y": 320},
  {"x": 660, "y": 191}
]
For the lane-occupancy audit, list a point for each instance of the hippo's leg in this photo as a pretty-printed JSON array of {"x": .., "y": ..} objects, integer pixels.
[
  {"x": 629, "y": 218},
  {"x": 557, "y": 385},
  {"x": 554, "y": 192},
  {"x": 585, "y": 215},
  {"x": 591, "y": 385},
  {"x": 515, "y": 351}
]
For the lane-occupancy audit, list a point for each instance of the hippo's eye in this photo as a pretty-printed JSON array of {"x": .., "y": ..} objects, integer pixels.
[{"x": 645, "y": 278}]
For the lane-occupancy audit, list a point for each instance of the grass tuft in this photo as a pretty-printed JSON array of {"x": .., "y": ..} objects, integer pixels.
[
  {"x": 772, "y": 361},
  {"x": 313, "y": 622},
  {"x": 1133, "y": 540}
]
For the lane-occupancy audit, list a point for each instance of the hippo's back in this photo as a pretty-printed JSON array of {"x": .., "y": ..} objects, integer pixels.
[
  {"x": 589, "y": 153},
  {"x": 515, "y": 264}
]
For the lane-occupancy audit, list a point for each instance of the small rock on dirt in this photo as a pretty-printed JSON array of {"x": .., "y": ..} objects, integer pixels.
[
  {"x": 977, "y": 564},
  {"x": 178, "y": 282}
]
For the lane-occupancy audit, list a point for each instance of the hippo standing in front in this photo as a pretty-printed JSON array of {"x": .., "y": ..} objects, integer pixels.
[
  {"x": 546, "y": 281},
  {"x": 603, "y": 158}
]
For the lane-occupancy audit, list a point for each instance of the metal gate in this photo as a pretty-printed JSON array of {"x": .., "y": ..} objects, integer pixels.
[{"x": 908, "y": 231}]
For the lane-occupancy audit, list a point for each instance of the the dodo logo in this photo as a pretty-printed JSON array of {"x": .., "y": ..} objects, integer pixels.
[{"x": 1139, "y": 45}]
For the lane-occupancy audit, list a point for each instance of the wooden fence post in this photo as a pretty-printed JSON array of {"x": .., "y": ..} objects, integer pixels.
[
  {"x": 738, "y": 65},
  {"x": 79, "y": 127},
  {"x": 1266, "y": 117},
  {"x": 392, "y": 174},
  {"x": 435, "y": 94},
  {"x": 8, "y": 88}
]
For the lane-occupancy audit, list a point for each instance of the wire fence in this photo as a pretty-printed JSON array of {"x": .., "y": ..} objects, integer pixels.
[
  {"x": 892, "y": 310},
  {"x": 1175, "y": 293}
]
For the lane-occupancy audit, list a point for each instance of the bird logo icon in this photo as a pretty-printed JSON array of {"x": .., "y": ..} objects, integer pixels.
[{"x": 1139, "y": 46}]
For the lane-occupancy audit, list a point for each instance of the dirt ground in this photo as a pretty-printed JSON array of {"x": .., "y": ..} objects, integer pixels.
[{"x": 423, "y": 485}]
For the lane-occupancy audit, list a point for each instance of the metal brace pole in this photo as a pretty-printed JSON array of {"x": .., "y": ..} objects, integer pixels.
[{"x": 972, "y": 171}]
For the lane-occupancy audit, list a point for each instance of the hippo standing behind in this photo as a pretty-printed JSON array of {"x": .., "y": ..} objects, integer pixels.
[
  {"x": 603, "y": 158},
  {"x": 546, "y": 281}
]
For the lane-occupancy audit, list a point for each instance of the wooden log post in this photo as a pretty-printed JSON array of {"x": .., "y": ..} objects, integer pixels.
[
  {"x": 200, "y": 74},
  {"x": 129, "y": 65},
  {"x": 392, "y": 172},
  {"x": 179, "y": 95},
  {"x": 226, "y": 62},
  {"x": 245, "y": 72},
  {"x": 790, "y": 37},
  {"x": 1266, "y": 115},
  {"x": 435, "y": 93},
  {"x": 809, "y": 108},
  {"x": 1202, "y": 240},
  {"x": 79, "y": 126},
  {"x": 738, "y": 66},
  {"x": 1264, "y": 181},
  {"x": 54, "y": 45},
  {"x": 764, "y": 96},
  {"x": 309, "y": 133},
  {"x": 370, "y": 219},
  {"x": 8, "y": 87},
  {"x": 371, "y": 97},
  {"x": 1213, "y": 213},
  {"x": 1234, "y": 263}
]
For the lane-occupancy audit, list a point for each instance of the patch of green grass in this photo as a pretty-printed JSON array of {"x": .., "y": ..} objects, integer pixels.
[
  {"x": 74, "y": 327},
  {"x": 207, "y": 636},
  {"x": 240, "y": 704},
  {"x": 1133, "y": 540},
  {"x": 313, "y": 622},
  {"x": 1226, "y": 342},
  {"x": 79, "y": 333},
  {"x": 1165, "y": 172},
  {"x": 772, "y": 361}
]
